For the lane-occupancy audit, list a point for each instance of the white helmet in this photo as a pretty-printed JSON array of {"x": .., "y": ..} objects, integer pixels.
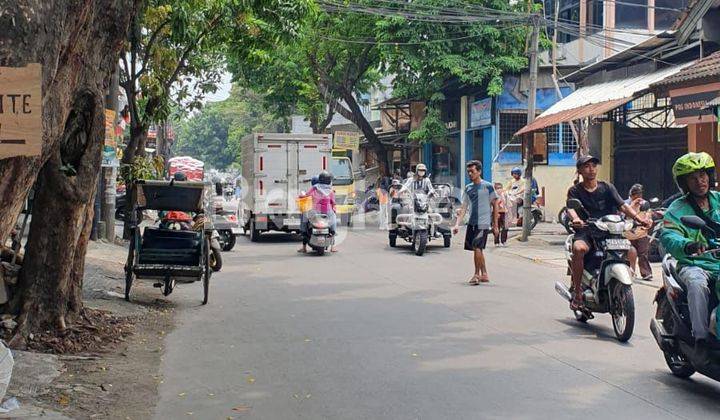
[{"x": 421, "y": 167}]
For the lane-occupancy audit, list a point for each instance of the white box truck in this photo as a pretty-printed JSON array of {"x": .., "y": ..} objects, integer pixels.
[{"x": 276, "y": 167}]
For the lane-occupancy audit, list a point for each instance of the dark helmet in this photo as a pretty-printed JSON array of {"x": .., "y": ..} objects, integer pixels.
[
  {"x": 516, "y": 171},
  {"x": 180, "y": 176},
  {"x": 325, "y": 177},
  {"x": 314, "y": 180}
]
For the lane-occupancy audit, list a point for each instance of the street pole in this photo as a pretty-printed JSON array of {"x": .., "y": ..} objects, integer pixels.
[
  {"x": 529, "y": 143},
  {"x": 110, "y": 173}
]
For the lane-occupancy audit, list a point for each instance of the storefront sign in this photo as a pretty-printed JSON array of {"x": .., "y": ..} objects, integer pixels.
[
  {"x": 20, "y": 111},
  {"x": 346, "y": 140},
  {"x": 451, "y": 125},
  {"x": 109, "y": 157},
  {"x": 692, "y": 108},
  {"x": 481, "y": 113}
]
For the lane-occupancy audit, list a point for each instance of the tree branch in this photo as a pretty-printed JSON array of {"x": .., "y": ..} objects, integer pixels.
[
  {"x": 150, "y": 45},
  {"x": 181, "y": 63}
]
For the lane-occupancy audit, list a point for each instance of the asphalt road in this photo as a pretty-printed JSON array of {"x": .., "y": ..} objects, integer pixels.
[{"x": 378, "y": 333}]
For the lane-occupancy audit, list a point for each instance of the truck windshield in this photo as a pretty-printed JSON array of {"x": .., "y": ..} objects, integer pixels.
[{"x": 341, "y": 170}]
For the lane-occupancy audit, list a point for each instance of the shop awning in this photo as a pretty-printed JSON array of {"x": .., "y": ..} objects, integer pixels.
[
  {"x": 714, "y": 102},
  {"x": 598, "y": 99}
]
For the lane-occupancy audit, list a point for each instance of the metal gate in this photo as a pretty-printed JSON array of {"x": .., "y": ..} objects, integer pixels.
[{"x": 646, "y": 156}]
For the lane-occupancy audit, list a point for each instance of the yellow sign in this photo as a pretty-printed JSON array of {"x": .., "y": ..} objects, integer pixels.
[
  {"x": 20, "y": 111},
  {"x": 346, "y": 140}
]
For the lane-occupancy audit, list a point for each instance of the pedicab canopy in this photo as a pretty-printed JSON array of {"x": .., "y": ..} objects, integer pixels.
[
  {"x": 172, "y": 195},
  {"x": 192, "y": 168}
]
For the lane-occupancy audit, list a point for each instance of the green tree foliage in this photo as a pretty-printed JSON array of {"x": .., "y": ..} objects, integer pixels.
[
  {"x": 319, "y": 74},
  {"x": 425, "y": 55},
  {"x": 213, "y": 135},
  {"x": 177, "y": 49}
]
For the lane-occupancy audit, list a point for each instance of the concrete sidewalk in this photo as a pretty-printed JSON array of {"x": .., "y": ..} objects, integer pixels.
[{"x": 546, "y": 246}]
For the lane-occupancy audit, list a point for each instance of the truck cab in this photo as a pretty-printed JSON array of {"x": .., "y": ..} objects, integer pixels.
[{"x": 344, "y": 185}]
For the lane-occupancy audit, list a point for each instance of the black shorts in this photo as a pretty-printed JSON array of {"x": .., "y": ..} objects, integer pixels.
[
  {"x": 583, "y": 235},
  {"x": 475, "y": 238}
]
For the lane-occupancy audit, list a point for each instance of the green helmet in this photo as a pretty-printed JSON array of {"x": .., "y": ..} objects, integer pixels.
[{"x": 692, "y": 162}]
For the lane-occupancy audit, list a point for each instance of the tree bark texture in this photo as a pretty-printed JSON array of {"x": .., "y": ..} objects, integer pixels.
[{"x": 78, "y": 43}]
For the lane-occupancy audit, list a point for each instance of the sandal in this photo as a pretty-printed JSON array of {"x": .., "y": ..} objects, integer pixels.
[
  {"x": 302, "y": 251},
  {"x": 474, "y": 280},
  {"x": 484, "y": 278},
  {"x": 576, "y": 304}
]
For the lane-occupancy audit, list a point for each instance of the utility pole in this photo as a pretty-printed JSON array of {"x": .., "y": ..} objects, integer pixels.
[
  {"x": 110, "y": 173},
  {"x": 529, "y": 143}
]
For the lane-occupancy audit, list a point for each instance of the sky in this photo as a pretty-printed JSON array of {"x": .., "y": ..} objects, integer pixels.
[{"x": 223, "y": 91}]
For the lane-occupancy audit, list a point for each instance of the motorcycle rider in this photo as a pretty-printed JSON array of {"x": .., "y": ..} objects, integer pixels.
[
  {"x": 695, "y": 175},
  {"x": 599, "y": 199},
  {"x": 304, "y": 220},
  {"x": 419, "y": 182},
  {"x": 323, "y": 198}
]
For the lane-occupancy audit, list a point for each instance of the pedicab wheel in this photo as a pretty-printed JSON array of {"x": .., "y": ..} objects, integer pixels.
[
  {"x": 623, "y": 315},
  {"x": 447, "y": 239},
  {"x": 207, "y": 272}
]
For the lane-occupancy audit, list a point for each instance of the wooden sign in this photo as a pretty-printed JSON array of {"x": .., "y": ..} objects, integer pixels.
[
  {"x": 347, "y": 140},
  {"x": 20, "y": 111}
]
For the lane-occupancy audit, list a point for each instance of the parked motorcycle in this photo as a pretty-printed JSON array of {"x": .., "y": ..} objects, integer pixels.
[
  {"x": 419, "y": 225},
  {"x": 320, "y": 239},
  {"x": 671, "y": 325},
  {"x": 182, "y": 221},
  {"x": 607, "y": 281}
]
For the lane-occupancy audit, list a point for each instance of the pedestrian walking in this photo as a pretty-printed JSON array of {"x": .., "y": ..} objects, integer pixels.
[
  {"x": 503, "y": 205},
  {"x": 382, "y": 196},
  {"x": 480, "y": 199},
  {"x": 642, "y": 245}
]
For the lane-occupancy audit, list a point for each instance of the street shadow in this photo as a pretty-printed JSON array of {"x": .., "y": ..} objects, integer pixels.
[{"x": 590, "y": 328}]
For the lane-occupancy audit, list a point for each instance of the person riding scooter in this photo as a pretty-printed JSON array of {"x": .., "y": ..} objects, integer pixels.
[
  {"x": 304, "y": 219},
  {"x": 419, "y": 182},
  {"x": 323, "y": 198},
  {"x": 599, "y": 199},
  {"x": 695, "y": 175}
]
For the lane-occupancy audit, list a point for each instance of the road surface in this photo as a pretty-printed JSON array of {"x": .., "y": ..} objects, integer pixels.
[{"x": 378, "y": 333}]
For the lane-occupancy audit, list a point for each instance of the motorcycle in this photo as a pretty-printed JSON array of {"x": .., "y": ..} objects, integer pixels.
[
  {"x": 671, "y": 325},
  {"x": 419, "y": 226},
  {"x": 606, "y": 281},
  {"x": 564, "y": 219},
  {"x": 320, "y": 238}
]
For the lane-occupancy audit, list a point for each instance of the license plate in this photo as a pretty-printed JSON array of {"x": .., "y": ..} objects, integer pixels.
[
  {"x": 236, "y": 231},
  {"x": 320, "y": 240},
  {"x": 617, "y": 244},
  {"x": 291, "y": 222}
]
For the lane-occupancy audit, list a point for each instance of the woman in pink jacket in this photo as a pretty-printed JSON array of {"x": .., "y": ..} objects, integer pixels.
[{"x": 323, "y": 198}]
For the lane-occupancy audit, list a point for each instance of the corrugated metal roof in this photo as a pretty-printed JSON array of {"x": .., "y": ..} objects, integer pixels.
[
  {"x": 572, "y": 114},
  {"x": 595, "y": 99},
  {"x": 714, "y": 102},
  {"x": 708, "y": 67}
]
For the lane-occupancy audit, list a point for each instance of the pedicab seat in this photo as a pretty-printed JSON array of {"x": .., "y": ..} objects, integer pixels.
[{"x": 167, "y": 246}]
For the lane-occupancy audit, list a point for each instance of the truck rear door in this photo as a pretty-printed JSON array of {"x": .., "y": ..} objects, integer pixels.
[
  {"x": 272, "y": 175},
  {"x": 313, "y": 157}
]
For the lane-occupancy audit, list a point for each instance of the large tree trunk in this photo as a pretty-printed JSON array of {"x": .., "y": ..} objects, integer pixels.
[
  {"x": 51, "y": 282},
  {"x": 78, "y": 44},
  {"x": 357, "y": 117}
]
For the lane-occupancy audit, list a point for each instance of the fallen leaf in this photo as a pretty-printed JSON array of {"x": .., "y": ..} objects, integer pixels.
[
  {"x": 242, "y": 408},
  {"x": 307, "y": 340},
  {"x": 182, "y": 394},
  {"x": 414, "y": 355},
  {"x": 211, "y": 395},
  {"x": 250, "y": 380},
  {"x": 189, "y": 413},
  {"x": 63, "y": 400},
  {"x": 307, "y": 397}
]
